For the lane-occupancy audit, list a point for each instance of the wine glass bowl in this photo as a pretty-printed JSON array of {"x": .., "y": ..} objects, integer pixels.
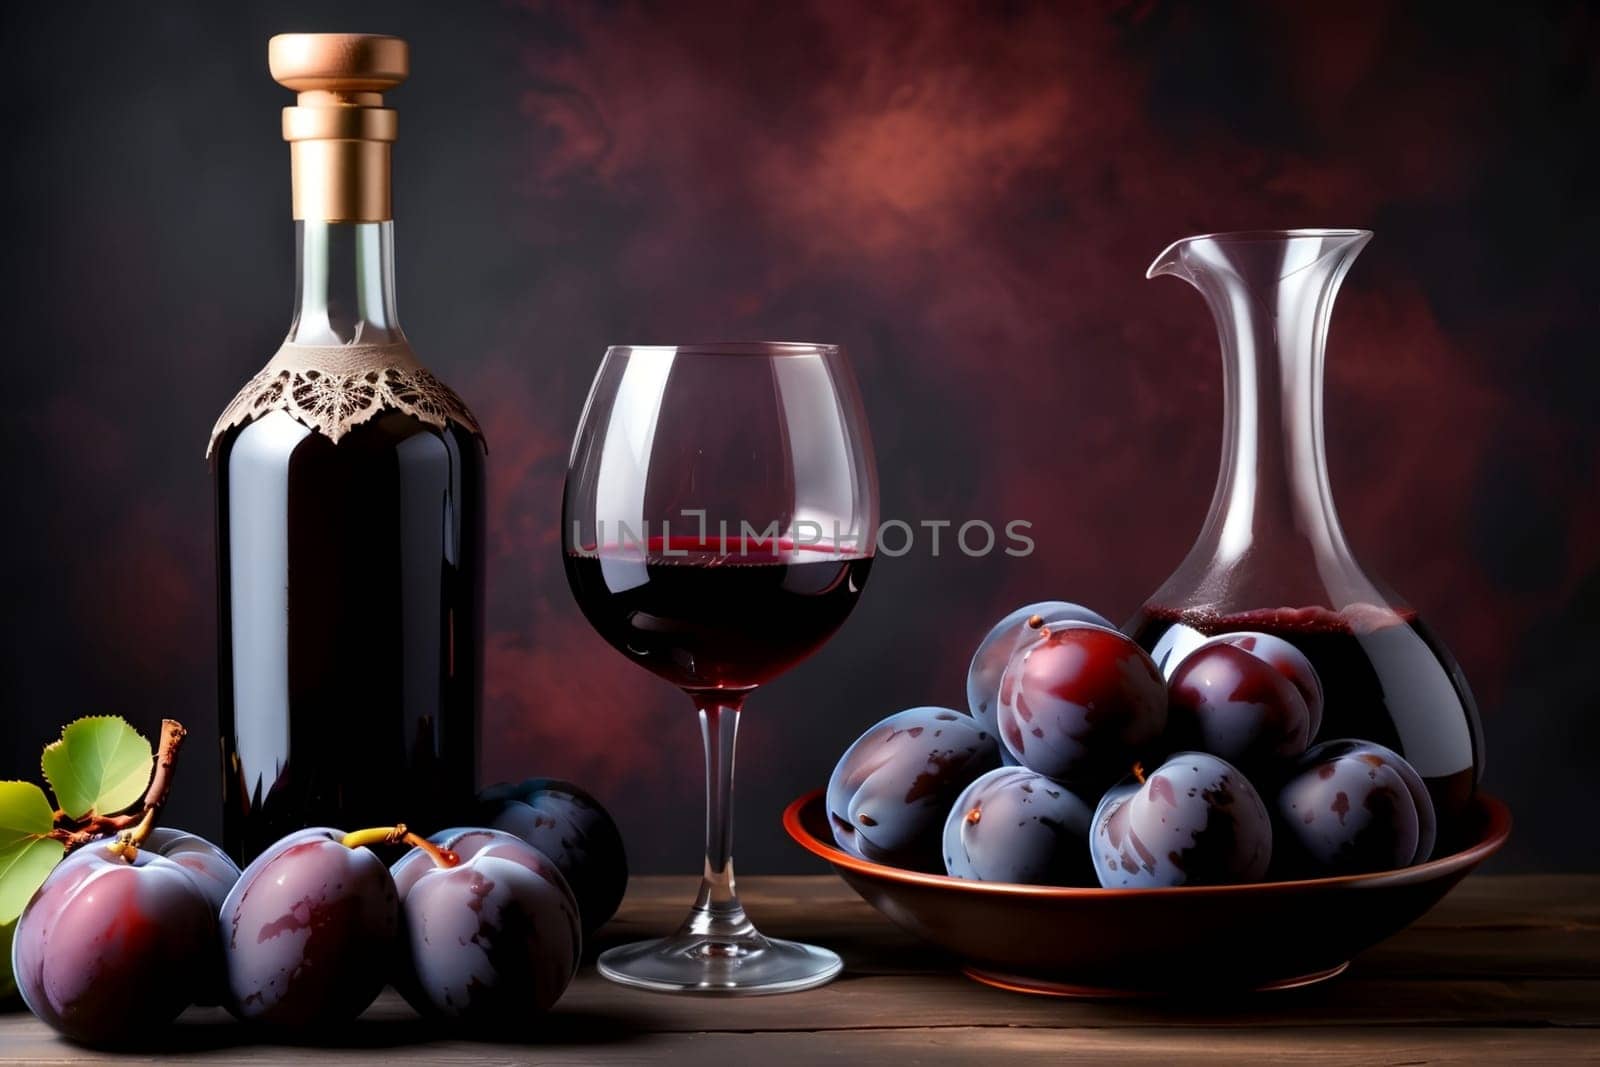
[{"x": 718, "y": 525}]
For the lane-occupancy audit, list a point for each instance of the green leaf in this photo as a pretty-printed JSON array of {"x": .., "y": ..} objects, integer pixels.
[
  {"x": 8, "y": 981},
  {"x": 24, "y": 813},
  {"x": 23, "y": 869},
  {"x": 101, "y": 765},
  {"x": 26, "y": 855}
]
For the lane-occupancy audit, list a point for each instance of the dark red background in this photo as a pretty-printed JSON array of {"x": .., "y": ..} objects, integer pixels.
[{"x": 966, "y": 195}]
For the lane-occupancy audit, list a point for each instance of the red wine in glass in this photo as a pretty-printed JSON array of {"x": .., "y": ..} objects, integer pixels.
[
  {"x": 761, "y": 450},
  {"x": 713, "y": 616}
]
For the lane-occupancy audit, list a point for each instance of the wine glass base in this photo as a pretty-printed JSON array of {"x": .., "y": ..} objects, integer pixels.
[{"x": 751, "y": 965}]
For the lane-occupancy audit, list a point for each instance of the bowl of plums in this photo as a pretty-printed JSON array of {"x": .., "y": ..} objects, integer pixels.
[{"x": 1094, "y": 825}]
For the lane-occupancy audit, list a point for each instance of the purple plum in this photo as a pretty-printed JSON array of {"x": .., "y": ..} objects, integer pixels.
[
  {"x": 891, "y": 790},
  {"x": 1081, "y": 704},
  {"x": 1351, "y": 807},
  {"x": 1196, "y": 820},
  {"x": 1002, "y": 641},
  {"x": 492, "y": 940},
  {"x": 1226, "y": 701},
  {"x": 309, "y": 932},
  {"x": 1016, "y": 825},
  {"x": 110, "y": 948}
]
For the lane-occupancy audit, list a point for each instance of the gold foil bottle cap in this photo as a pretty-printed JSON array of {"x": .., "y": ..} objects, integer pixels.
[{"x": 339, "y": 132}]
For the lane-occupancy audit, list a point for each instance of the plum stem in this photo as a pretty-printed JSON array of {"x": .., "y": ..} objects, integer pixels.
[
  {"x": 172, "y": 735},
  {"x": 128, "y": 841},
  {"x": 134, "y": 824},
  {"x": 1036, "y": 622},
  {"x": 1138, "y": 773},
  {"x": 398, "y": 835}
]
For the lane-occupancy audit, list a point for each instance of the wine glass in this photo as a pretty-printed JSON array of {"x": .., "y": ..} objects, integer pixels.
[{"x": 719, "y": 520}]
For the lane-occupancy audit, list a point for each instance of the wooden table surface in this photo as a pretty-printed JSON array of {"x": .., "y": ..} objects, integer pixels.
[{"x": 1506, "y": 969}]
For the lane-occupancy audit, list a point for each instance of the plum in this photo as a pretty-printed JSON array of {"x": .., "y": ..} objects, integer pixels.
[
  {"x": 110, "y": 948},
  {"x": 1195, "y": 821},
  {"x": 1288, "y": 661},
  {"x": 891, "y": 790},
  {"x": 212, "y": 869},
  {"x": 1016, "y": 825},
  {"x": 1000, "y": 643},
  {"x": 491, "y": 940},
  {"x": 570, "y": 827},
  {"x": 1352, "y": 807},
  {"x": 1081, "y": 704},
  {"x": 309, "y": 932},
  {"x": 214, "y": 873},
  {"x": 1226, "y": 701}
]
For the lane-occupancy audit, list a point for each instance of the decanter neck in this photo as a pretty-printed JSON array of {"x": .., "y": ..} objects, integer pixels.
[
  {"x": 344, "y": 292},
  {"x": 1271, "y": 294}
]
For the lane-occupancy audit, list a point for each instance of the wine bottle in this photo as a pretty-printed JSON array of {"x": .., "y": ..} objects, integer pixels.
[{"x": 349, "y": 507}]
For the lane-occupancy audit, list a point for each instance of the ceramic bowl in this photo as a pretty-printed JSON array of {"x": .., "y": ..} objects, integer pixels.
[{"x": 1141, "y": 942}]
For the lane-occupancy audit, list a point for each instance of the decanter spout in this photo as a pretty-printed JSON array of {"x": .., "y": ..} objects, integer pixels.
[{"x": 1170, "y": 261}]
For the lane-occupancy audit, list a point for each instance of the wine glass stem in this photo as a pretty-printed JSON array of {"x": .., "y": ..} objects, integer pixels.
[{"x": 717, "y": 911}]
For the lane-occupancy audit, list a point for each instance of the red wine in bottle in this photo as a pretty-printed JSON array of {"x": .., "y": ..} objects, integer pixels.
[{"x": 349, "y": 503}]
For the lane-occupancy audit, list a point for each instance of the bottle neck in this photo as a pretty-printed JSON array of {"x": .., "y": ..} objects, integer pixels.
[
  {"x": 1273, "y": 483},
  {"x": 1272, "y": 537},
  {"x": 344, "y": 291}
]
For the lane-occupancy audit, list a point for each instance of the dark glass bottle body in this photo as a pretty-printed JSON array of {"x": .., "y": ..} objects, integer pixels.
[{"x": 350, "y": 579}]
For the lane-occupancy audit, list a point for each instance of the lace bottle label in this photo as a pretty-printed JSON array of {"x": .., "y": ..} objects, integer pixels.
[{"x": 334, "y": 388}]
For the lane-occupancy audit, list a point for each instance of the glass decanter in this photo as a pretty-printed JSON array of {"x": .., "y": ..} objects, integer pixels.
[{"x": 1272, "y": 556}]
